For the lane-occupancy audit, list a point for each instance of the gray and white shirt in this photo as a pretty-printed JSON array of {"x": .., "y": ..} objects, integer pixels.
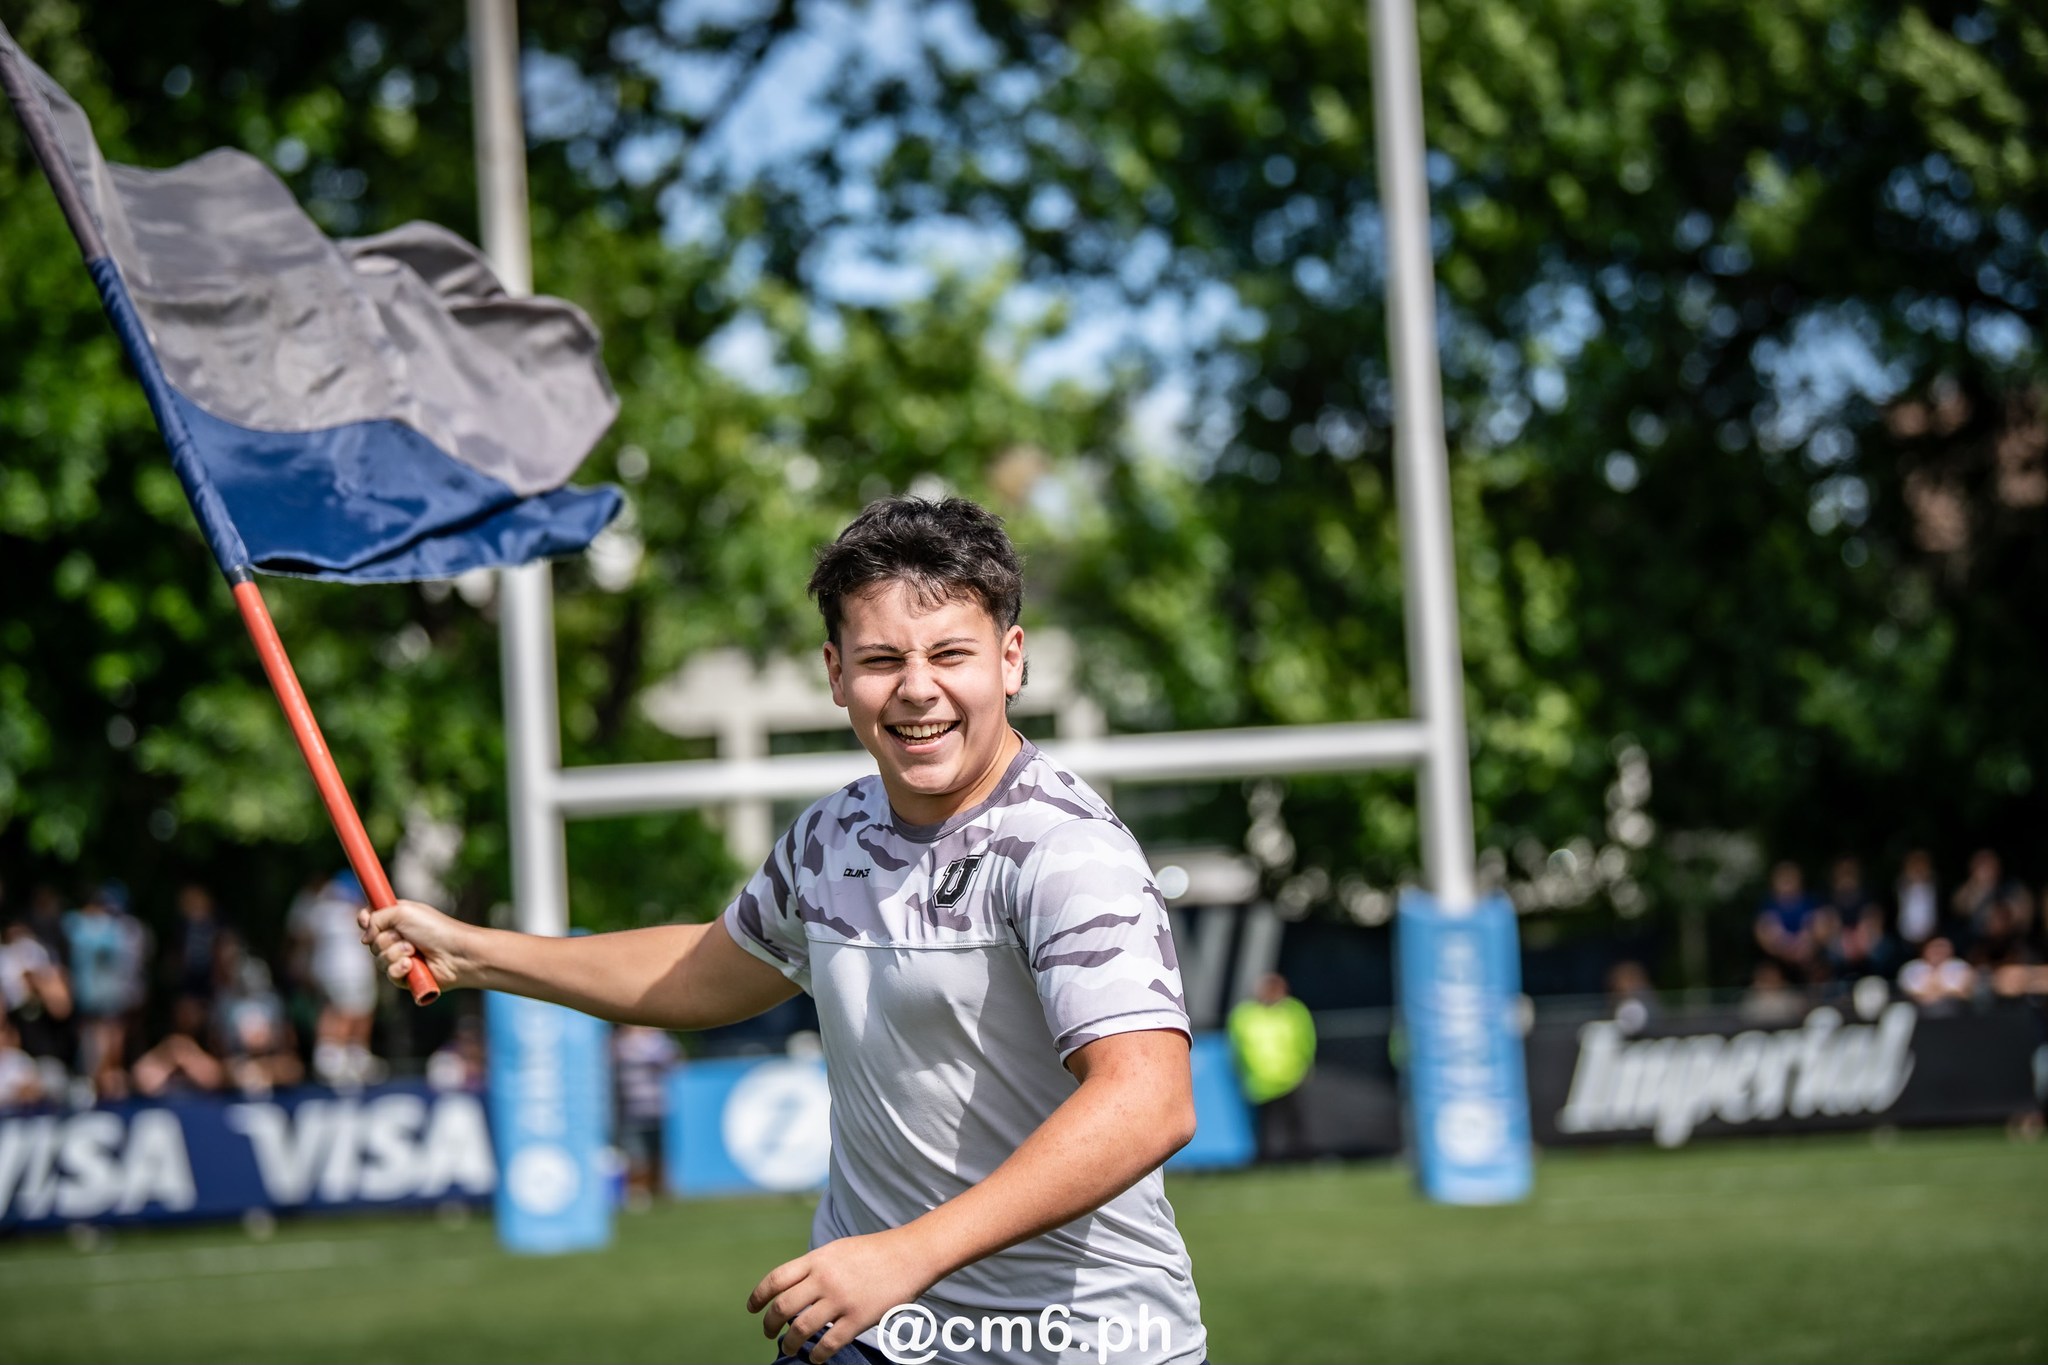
[{"x": 955, "y": 967}]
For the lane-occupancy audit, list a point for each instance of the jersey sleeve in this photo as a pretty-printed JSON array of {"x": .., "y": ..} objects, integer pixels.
[
  {"x": 763, "y": 918},
  {"x": 1095, "y": 934}
]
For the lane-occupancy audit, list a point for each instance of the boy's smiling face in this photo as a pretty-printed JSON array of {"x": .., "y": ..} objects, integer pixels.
[{"x": 927, "y": 690}]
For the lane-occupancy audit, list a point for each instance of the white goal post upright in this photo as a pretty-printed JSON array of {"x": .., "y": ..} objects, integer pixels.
[
  {"x": 542, "y": 794},
  {"x": 526, "y": 611},
  {"x": 1422, "y": 488}
]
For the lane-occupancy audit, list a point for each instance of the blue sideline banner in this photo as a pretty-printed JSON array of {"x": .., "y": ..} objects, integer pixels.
[
  {"x": 550, "y": 1089},
  {"x": 1468, "y": 1098},
  {"x": 749, "y": 1125},
  {"x": 210, "y": 1156},
  {"x": 745, "y": 1125}
]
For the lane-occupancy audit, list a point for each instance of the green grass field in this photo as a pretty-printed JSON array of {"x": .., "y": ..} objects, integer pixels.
[{"x": 1929, "y": 1247}]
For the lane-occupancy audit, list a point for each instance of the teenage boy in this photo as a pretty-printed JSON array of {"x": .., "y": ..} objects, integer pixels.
[{"x": 1005, "y": 1037}]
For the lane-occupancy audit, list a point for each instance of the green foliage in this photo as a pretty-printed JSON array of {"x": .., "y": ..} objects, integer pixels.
[
  {"x": 120, "y": 628},
  {"x": 1712, "y": 275}
]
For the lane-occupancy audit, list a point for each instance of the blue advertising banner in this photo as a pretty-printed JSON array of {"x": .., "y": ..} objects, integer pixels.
[
  {"x": 550, "y": 1097},
  {"x": 1467, "y": 1095},
  {"x": 744, "y": 1125},
  {"x": 216, "y": 1157},
  {"x": 764, "y": 1124}
]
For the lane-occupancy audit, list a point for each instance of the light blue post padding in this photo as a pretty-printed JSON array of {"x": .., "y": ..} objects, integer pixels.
[
  {"x": 550, "y": 1103},
  {"x": 1468, "y": 1098},
  {"x": 752, "y": 1125},
  {"x": 1223, "y": 1121}
]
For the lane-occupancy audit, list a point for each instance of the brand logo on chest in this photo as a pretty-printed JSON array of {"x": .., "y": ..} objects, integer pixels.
[{"x": 954, "y": 881}]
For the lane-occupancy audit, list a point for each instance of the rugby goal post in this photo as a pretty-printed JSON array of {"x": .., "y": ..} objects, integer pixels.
[{"x": 543, "y": 794}]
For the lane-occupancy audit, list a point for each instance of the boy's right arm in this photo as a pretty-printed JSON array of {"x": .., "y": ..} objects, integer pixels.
[{"x": 675, "y": 976}]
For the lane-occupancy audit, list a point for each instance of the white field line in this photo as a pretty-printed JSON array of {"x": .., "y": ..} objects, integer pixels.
[
  {"x": 1847, "y": 1173},
  {"x": 123, "y": 1267},
  {"x": 355, "y": 1287}
]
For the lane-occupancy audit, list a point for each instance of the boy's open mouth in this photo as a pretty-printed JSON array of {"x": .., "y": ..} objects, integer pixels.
[{"x": 923, "y": 733}]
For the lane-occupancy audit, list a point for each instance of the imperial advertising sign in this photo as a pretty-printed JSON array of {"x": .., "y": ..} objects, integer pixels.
[
  {"x": 1831, "y": 1069},
  {"x": 1672, "y": 1085},
  {"x": 1708, "y": 1073}
]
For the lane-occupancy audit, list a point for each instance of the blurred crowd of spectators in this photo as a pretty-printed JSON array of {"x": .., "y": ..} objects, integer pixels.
[
  {"x": 1982, "y": 939},
  {"x": 97, "y": 1009}
]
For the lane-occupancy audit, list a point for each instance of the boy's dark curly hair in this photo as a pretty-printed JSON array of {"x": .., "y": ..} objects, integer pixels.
[{"x": 944, "y": 551}]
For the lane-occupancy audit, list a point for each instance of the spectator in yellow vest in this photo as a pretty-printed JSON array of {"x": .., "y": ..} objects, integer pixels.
[{"x": 1274, "y": 1040}]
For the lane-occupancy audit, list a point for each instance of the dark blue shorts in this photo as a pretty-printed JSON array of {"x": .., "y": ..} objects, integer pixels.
[{"x": 853, "y": 1353}]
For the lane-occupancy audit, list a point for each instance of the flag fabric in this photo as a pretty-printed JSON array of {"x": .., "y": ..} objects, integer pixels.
[{"x": 365, "y": 410}]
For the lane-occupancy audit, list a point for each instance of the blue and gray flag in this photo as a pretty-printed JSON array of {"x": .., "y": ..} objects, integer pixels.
[{"x": 364, "y": 410}]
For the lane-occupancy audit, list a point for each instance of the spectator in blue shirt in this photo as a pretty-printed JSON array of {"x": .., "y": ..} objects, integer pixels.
[
  {"x": 106, "y": 948},
  {"x": 1786, "y": 929}
]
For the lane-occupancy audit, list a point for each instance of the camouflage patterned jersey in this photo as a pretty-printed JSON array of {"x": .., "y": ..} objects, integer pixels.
[{"x": 955, "y": 966}]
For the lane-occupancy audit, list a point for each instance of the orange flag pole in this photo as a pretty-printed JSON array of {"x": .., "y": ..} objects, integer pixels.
[{"x": 355, "y": 840}]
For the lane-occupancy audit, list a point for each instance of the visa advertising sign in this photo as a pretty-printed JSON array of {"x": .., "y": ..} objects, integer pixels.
[{"x": 209, "y": 1157}]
